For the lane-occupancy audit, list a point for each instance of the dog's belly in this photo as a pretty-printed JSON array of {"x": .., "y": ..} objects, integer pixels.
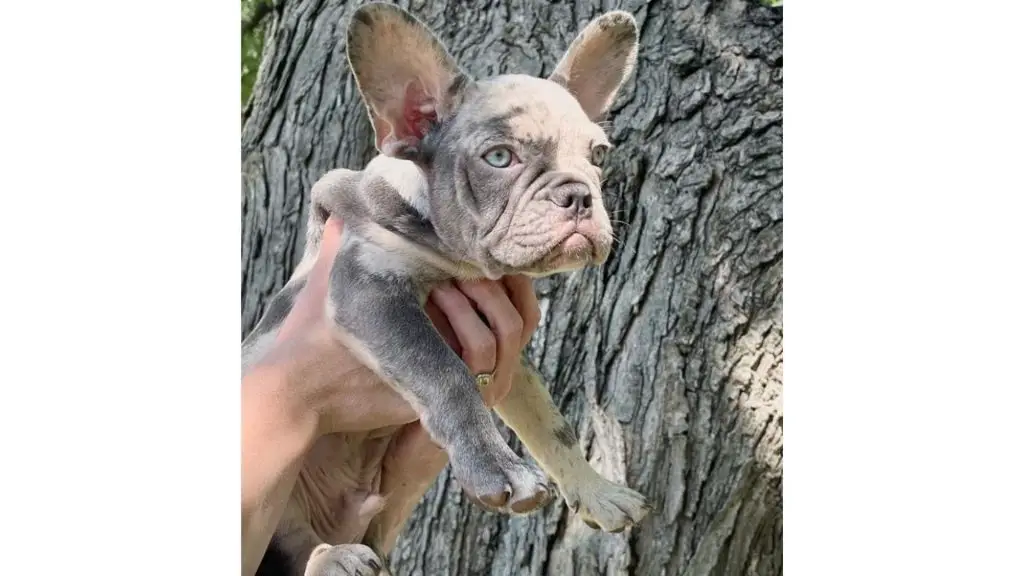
[{"x": 338, "y": 489}]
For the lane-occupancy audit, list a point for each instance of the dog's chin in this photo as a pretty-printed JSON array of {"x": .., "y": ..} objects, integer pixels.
[{"x": 572, "y": 253}]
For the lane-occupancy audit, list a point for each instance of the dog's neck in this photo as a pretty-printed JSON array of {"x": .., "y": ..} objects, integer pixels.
[{"x": 390, "y": 209}]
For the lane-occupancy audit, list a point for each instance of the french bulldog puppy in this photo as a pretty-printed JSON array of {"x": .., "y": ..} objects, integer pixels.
[{"x": 477, "y": 178}]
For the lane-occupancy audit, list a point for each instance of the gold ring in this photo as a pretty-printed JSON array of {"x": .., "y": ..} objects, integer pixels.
[{"x": 484, "y": 380}]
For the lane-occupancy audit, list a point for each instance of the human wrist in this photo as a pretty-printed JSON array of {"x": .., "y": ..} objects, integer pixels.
[
  {"x": 269, "y": 393},
  {"x": 275, "y": 439}
]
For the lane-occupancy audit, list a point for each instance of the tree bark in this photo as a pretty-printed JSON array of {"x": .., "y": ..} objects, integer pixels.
[{"x": 668, "y": 359}]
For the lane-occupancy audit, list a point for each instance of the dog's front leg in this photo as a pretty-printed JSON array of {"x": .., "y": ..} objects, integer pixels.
[
  {"x": 379, "y": 317},
  {"x": 529, "y": 411}
]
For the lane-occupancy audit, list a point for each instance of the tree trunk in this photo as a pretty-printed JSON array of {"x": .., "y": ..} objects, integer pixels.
[{"x": 669, "y": 358}]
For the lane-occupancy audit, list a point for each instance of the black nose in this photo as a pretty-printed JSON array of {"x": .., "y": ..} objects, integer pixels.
[{"x": 575, "y": 198}]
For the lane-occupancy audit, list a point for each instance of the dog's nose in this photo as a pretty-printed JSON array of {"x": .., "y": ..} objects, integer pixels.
[{"x": 574, "y": 198}]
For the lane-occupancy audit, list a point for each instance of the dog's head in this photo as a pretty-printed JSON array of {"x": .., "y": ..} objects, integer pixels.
[{"x": 513, "y": 162}]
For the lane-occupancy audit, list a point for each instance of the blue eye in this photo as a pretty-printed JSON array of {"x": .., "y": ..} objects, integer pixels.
[{"x": 499, "y": 157}]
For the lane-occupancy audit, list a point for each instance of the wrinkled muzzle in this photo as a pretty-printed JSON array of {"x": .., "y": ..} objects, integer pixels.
[{"x": 561, "y": 228}]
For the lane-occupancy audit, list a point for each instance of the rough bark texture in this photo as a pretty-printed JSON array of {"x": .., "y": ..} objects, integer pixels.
[{"x": 669, "y": 359}]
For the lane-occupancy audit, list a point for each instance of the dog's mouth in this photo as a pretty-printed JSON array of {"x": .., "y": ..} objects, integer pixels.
[
  {"x": 582, "y": 245},
  {"x": 562, "y": 247},
  {"x": 576, "y": 249}
]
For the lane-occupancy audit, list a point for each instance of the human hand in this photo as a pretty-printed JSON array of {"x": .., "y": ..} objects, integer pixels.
[
  {"x": 325, "y": 382},
  {"x": 308, "y": 384}
]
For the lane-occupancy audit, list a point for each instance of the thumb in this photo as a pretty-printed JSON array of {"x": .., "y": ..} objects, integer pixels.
[
  {"x": 330, "y": 243},
  {"x": 331, "y": 240},
  {"x": 308, "y": 303}
]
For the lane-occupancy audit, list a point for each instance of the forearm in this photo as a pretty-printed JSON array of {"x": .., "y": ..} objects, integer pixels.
[{"x": 275, "y": 440}]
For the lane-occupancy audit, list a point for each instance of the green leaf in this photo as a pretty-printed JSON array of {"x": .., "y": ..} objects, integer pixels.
[{"x": 252, "y": 51}]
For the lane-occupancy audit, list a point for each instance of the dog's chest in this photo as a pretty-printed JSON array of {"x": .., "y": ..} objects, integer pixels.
[{"x": 337, "y": 477}]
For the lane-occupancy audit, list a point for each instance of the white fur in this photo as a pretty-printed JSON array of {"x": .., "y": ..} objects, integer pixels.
[{"x": 404, "y": 177}]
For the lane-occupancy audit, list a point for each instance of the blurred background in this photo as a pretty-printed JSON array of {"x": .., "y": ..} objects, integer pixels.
[{"x": 668, "y": 360}]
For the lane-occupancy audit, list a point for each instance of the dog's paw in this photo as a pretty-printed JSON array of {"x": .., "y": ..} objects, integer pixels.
[
  {"x": 504, "y": 483},
  {"x": 605, "y": 505},
  {"x": 344, "y": 560}
]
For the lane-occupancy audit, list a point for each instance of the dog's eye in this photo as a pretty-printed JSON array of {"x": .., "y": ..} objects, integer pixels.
[
  {"x": 499, "y": 157},
  {"x": 597, "y": 155}
]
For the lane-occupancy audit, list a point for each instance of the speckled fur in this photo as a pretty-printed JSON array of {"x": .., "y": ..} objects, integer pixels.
[{"x": 430, "y": 209}]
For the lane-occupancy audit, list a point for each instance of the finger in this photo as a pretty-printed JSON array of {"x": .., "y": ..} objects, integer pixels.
[
  {"x": 332, "y": 233},
  {"x": 524, "y": 298},
  {"x": 443, "y": 326},
  {"x": 491, "y": 299},
  {"x": 479, "y": 348},
  {"x": 330, "y": 243},
  {"x": 309, "y": 302}
]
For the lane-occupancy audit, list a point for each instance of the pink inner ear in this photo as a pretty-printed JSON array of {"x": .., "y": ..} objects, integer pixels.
[{"x": 419, "y": 111}]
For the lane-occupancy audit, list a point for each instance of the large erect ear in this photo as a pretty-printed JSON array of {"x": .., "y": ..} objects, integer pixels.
[
  {"x": 406, "y": 76},
  {"x": 599, "y": 61}
]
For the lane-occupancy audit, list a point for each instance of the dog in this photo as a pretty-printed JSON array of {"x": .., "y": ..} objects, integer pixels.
[{"x": 476, "y": 178}]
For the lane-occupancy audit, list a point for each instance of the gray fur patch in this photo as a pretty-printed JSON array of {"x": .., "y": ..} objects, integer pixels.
[
  {"x": 277, "y": 310},
  {"x": 566, "y": 435}
]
